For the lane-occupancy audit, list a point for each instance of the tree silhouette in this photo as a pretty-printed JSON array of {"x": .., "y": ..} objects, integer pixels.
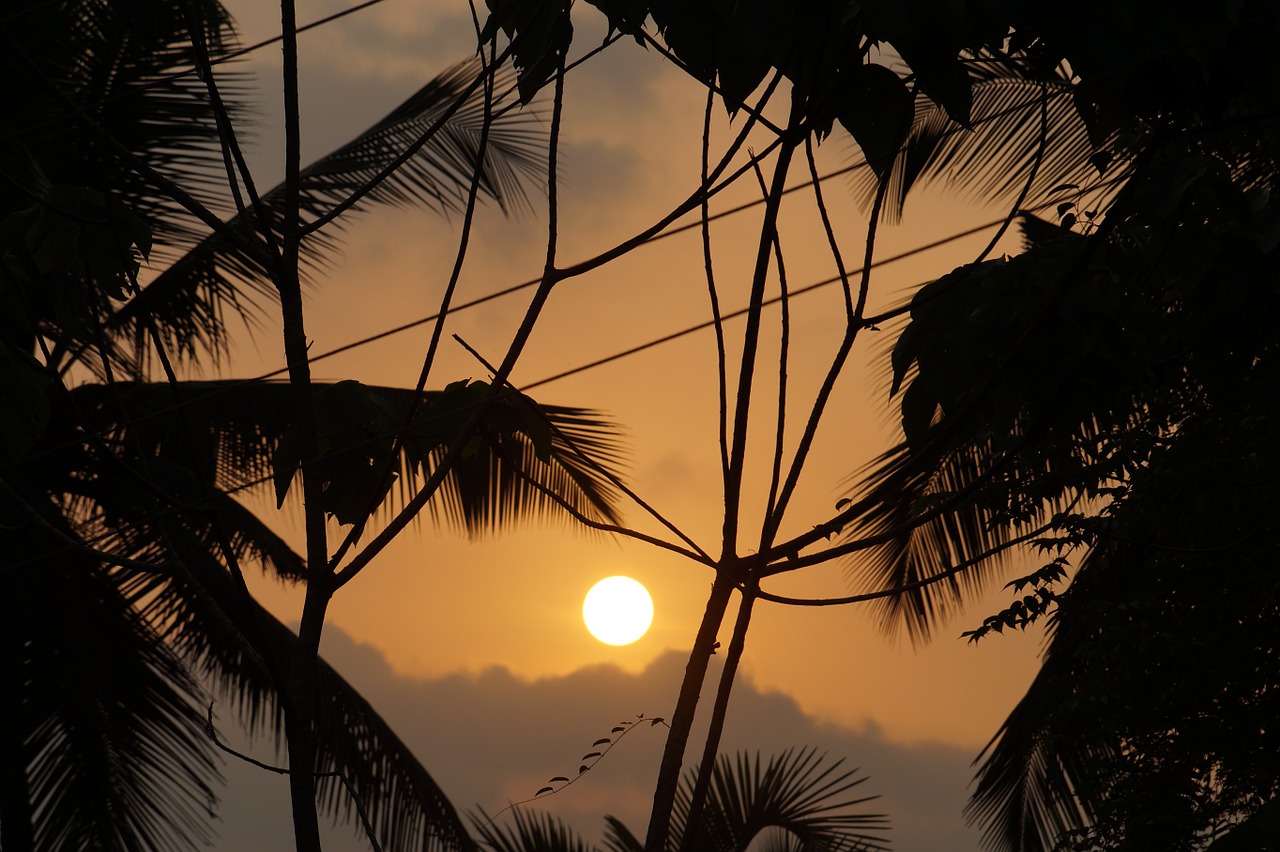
[
  {"x": 1064, "y": 398},
  {"x": 123, "y": 538}
]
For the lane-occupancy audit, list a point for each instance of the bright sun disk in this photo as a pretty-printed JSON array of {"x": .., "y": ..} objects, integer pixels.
[{"x": 618, "y": 610}]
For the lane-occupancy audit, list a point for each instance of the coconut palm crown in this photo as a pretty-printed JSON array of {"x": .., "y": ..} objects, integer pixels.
[{"x": 121, "y": 526}]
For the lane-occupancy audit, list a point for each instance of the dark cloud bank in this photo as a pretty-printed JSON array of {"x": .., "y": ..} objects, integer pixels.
[{"x": 492, "y": 738}]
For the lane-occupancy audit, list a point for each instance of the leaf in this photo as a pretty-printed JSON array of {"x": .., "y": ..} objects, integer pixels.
[
  {"x": 540, "y": 34},
  {"x": 618, "y": 728},
  {"x": 690, "y": 31},
  {"x": 583, "y": 768},
  {"x": 918, "y": 408},
  {"x": 602, "y": 741},
  {"x": 534, "y": 425},
  {"x": 625, "y": 16},
  {"x": 945, "y": 81},
  {"x": 903, "y": 355},
  {"x": 590, "y": 755},
  {"x": 877, "y": 108},
  {"x": 1103, "y": 109},
  {"x": 544, "y": 790},
  {"x": 284, "y": 463}
]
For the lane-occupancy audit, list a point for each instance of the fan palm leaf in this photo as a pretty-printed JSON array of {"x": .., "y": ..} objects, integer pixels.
[
  {"x": 619, "y": 838},
  {"x": 796, "y": 802},
  {"x": 796, "y": 793},
  {"x": 529, "y": 833}
]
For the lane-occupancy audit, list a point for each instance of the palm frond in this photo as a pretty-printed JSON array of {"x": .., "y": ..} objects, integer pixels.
[
  {"x": 618, "y": 838},
  {"x": 1030, "y": 787},
  {"x": 901, "y": 487},
  {"x": 226, "y": 433},
  {"x": 244, "y": 652},
  {"x": 405, "y": 805},
  {"x": 536, "y": 832},
  {"x": 1023, "y": 796},
  {"x": 992, "y": 160},
  {"x": 191, "y": 296},
  {"x": 796, "y": 792},
  {"x": 126, "y": 66},
  {"x": 101, "y": 718},
  {"x": 1009, "y": 413}
]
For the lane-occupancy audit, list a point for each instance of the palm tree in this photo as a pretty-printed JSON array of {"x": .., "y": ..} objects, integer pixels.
[
  {"x": 796, "y": 802},
  {"x": 124, "y": 606},
  {"x": 1100, "y": 392}
]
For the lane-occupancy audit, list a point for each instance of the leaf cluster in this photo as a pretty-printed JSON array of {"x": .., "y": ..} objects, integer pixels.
[{"x": 1029, "y": 608}]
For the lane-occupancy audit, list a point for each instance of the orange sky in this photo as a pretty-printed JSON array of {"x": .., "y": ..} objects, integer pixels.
[{"x": 436, "y": 614}]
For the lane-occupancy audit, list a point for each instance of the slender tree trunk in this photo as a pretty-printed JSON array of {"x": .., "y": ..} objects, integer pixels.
[
  {"x": 300, "y": 709},
  {"x": 695, "y": 672},
  {"x": 711, "y": 747},
  {"x": 300, "y": 721}
]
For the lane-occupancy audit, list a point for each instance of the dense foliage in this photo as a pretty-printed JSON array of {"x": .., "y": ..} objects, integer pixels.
[{"x": 1105, "y": 396}]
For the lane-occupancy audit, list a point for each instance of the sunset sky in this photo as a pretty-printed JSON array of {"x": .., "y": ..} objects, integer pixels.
[{"x": 476, "y": 651}]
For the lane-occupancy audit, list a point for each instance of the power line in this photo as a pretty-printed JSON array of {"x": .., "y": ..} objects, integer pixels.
[{"x": 808, "y": 288}]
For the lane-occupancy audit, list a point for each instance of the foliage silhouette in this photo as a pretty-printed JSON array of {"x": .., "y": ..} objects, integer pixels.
[
  {"x": 1108, "y": 382},
  {"x": 1042, "y": 395},
  {"x": 122, "y": 533},
  {"x": 798, "y": 801}
]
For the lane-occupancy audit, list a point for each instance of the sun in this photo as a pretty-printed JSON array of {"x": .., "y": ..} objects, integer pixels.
[{"x": 618, "y": 610}]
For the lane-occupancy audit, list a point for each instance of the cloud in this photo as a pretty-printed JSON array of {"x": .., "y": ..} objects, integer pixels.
[{"x": 491, "y": 737}]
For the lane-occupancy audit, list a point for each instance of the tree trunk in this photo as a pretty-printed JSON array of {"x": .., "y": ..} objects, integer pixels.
[
  {"x": 719, "y": 710},
  {"x": 695, "y": 672}
]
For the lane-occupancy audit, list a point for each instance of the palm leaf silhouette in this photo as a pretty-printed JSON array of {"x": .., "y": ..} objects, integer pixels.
[
  {"x": 991, "y": 160},
  {"x": 210, "y": 279},
  {"x": 796, "y": 802}
]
